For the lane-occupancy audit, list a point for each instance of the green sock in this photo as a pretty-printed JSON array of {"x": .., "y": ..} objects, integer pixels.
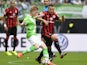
[
  {"x": 45, "y": 53},
  {"x": 31, "y": 49}
]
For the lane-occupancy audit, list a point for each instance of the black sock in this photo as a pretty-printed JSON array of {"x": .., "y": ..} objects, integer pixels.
[
  {"x": 6, "y": 44},
  {"x": 50, "y": 53},
  {"x": 14, "y": 45},
  {"x": 41, "y": 55},
  {"x": 57, "y": 47},
  {"x": 14, "y": 48}
]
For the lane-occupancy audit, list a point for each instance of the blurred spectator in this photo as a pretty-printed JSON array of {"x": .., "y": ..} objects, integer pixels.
[
  {"x": 1, "y": 9},
  {"x": 67, "y": 1},
  {"x": 20, "y": 8},
  {"x": 77, "y": 2},
  {"x": 24, "y": 4},
  {"x": 84, "y": 11},
  {"x": 30, "y": 2}
]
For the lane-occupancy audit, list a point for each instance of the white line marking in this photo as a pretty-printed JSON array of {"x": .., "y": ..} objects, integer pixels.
[{"x": 17, "y": 62}]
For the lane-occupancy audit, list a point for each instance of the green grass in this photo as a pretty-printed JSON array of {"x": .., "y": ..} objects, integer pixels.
[{"x": 79, "y": 58}]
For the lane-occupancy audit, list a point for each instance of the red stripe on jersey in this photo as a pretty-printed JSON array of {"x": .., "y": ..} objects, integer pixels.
[
  {"x": 51, "y": 18},
  {"x": 11, "y": 15}
]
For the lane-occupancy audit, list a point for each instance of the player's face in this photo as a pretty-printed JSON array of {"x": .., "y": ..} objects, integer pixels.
[
  {"x": 46, "y": 2},
  {"x": 51, "y": 10},
  {"x": 34, "y": 13},
  {"x": 12, "y": 4}
]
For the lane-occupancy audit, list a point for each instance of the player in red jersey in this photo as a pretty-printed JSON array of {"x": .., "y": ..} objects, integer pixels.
[
  {"x": 48, "y": 35},
  {"x": 10, "y": 25}
]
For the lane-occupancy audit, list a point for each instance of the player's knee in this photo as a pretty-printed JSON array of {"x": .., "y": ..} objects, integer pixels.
[
  {"x": 7, "y": 37},
  {"x": 15, "y": 38},
  {"x": 49, "y": 47},
  {"x": 44, "y": 46},
  {"x": 54, "y": 37},
  {"x": 36, "y": 46}
]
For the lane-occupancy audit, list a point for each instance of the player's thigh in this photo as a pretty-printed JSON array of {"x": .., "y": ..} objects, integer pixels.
[
  {"x": 48, "y": 41},
  {"x": 8, "y": 32},
  {"x": 14, "y": 31},
  {"x": 54, "y": 37},
  {"x": 36, "y": 41}
]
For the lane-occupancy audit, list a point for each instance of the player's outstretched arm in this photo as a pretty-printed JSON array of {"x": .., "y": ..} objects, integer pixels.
[
  {"x": 44, "y": 21},
  {"x": 5, "y": 26}
]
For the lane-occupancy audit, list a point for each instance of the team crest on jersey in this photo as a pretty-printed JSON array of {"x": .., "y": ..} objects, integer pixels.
[
  {"x": 51, "y": 18},
  {"x": 10, "y": 11},
  {"x": 47, "y": 15},
  {"x": 54, "y": 16}
]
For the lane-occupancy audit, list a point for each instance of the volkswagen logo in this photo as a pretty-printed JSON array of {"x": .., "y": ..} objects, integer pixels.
[{"x": 63, "y": 41}]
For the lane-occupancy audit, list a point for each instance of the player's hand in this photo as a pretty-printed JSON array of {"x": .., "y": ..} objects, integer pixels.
[
  {"x": 6, "y": 28},
  {"x": 46, "y": 22},
  {"x": 37, "y": 16}
]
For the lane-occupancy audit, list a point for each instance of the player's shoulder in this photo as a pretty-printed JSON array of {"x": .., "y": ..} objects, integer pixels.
[
  {"x": 7, "y": 9},
  {"x": 27, "y": 16},
  {"x": 46, "y": 12},
  {"x": 16, "y": 9},
  {"x": 55, "y": 13}
]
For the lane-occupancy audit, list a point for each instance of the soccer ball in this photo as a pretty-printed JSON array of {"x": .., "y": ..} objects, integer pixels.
[{"x": 45, "y": 61}]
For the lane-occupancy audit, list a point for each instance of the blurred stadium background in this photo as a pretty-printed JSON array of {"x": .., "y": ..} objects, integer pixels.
[{"x": 73, "y": 30}]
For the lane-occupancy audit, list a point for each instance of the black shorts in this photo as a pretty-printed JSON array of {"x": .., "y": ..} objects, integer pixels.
[
  {"x": 48, "y": 41},
  {"x": 12, "y": 31}
]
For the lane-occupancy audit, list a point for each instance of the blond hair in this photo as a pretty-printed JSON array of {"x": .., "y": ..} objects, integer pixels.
[{"x": 34, "y": 7}]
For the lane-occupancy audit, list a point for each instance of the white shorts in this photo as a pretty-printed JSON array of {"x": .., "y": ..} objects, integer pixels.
[{"x": 35, "y": 40}]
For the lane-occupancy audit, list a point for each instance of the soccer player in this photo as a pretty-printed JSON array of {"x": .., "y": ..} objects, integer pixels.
[
  {"x": 48, "y": 31},
  {"x": 10, "y": 24},
  {"x": 30, "y": 23},
  {"x": 47, "y": 3}
]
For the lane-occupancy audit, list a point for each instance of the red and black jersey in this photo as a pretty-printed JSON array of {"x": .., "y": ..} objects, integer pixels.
[
  {"x": 11, "y": 17},
  {"x": 51, "y": 18}
]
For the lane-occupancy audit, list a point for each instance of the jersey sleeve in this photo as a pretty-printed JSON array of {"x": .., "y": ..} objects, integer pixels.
[
  {"x": 17, "y": 12},
  {"x": 25, "y": 20},
  {"x": 42, "y": 14},
  {"x": 6, "y": 12},
  {"x": 57, "y": 17}
]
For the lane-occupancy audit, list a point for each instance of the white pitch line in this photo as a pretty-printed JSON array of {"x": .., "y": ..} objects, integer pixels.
[{"x": 17, "y": 62}]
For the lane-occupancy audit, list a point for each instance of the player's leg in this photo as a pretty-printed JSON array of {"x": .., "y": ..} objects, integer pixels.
[
  {"x": 31, "y": 49},
  {"x": 15, "y": 42},
  {"x": 45, "y": 53},
  {"x": 6, "y": 45},
  {"x": 33, "y": 41},
  {"x": 36, "y": 43},
  {"x": 56, "y": 43},
  {"x": 48, "y": 43},
  {"x": 38, "y": 59}
]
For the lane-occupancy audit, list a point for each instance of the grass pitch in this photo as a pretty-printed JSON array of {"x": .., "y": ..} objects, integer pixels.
[{"x": 74, "y": 58}]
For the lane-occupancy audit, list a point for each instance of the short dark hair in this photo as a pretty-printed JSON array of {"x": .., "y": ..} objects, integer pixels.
[{"x": 50, "y": 5}]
